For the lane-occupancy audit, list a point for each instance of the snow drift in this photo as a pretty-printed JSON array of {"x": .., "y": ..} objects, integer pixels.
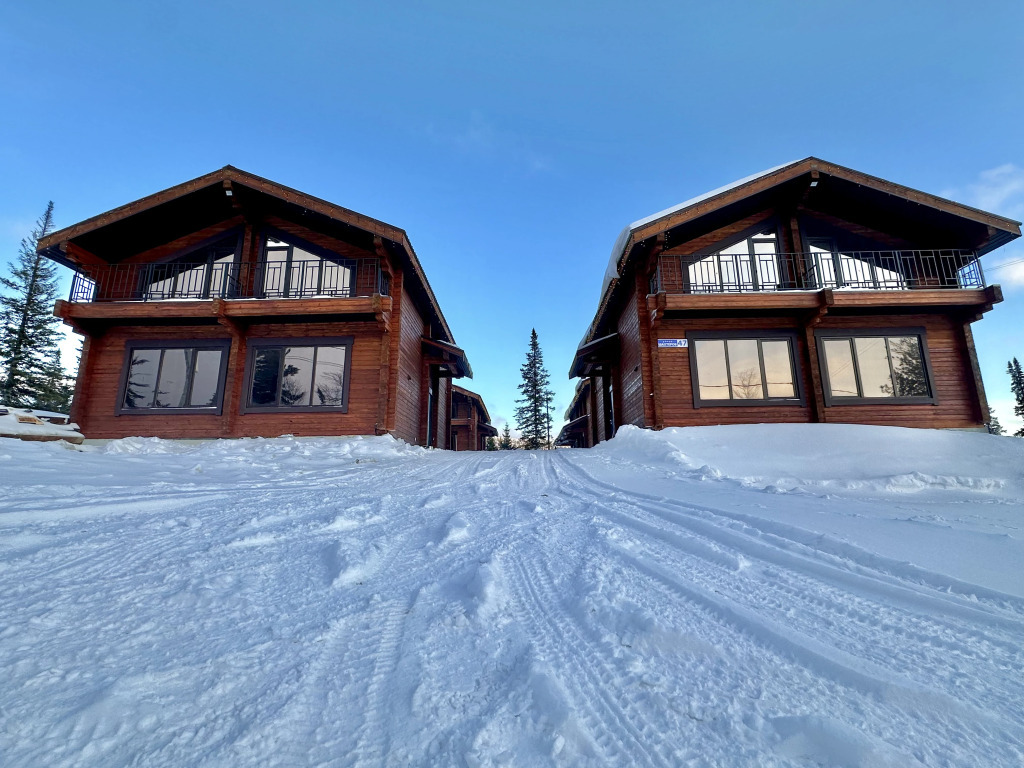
[{"x": 771, "y": 595}]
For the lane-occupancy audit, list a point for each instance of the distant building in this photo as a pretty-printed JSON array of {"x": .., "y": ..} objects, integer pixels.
[
  {"x": 232, "y": 306},
  {"x": 807, "y": 293},
  {"x": 470, "y": 423}
]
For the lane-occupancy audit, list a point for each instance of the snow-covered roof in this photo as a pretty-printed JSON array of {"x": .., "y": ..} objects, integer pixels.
[
  {"x": 26, "y": 424},
  {"x": 612, "y": 272}
]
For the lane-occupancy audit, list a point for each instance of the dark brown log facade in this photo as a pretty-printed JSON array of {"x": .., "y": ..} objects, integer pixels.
[
  {"x": 802, "y": 257},
  {"x": 197, "y": 265},
  {"x": 470, "y": 421}
]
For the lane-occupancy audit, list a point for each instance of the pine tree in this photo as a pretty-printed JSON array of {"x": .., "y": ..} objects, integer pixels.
[
  {"x": 1017, "y": 387},
  {"x": 505, "y": 443},
  {"x": 491, "y": 444},
  {"x": 533, "y": 415},
  {"x": 29, "y": 333},
  {"x": 994, "y": 427}
]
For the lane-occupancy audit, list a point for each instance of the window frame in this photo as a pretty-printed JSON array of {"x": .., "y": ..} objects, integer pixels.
[
  {"x": 791, "y": 336},
  {"x": 255, "y": 345},
  {"x": 146, "y": 282},
  {"x": 821, "y": 334},
  {"x": 297, "y": 241},
  {"x": 224, "y": 345}
]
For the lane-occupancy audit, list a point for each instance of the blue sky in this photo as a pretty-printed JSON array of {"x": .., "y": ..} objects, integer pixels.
[{"x": 513, "y": 141}]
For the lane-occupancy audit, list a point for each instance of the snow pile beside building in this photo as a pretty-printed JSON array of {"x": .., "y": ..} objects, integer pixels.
[
  {"x": 27, "y": 424},
  {"x": 832, "y": 457},
  {"x": 726, "y": 596}
]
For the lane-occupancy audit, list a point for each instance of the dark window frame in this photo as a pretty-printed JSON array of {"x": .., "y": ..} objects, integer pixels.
[
  {"x": 146, "y": 280},
  {"x": 255, "y": 345},
  {"x": 738, "y": 335},
  {"x": 852, "y": 333},
  {"x": 224, "y": 345},
  {"x": 297, "y": 241}
]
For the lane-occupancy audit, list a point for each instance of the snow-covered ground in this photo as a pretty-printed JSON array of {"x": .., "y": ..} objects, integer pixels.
[{"x": 723, "y": 596}]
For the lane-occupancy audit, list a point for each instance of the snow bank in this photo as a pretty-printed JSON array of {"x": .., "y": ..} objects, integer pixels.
[
  {"x": 726, "y": 596},
  {"x": 27, "y": 424},
  {"x": 832, "y": 457}
]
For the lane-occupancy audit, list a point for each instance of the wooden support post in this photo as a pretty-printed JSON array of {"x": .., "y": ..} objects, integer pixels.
[
  {"x": 234, "y": 385},
  {"x": 816, "y": 396},
  {"x": 395, "y": 353},
  {"x": 978, "y": 400}
]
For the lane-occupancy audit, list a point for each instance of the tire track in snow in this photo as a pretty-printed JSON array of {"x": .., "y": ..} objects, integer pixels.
[
  {"x": 993, "y": 608},
  {"x": 714, "y": 580},
  {"x": 616, "y": 727}
]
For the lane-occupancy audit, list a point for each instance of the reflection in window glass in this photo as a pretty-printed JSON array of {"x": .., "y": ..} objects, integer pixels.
[
  {"x": 873, "y": 362},
  {"x": 298, "y": 377},
  {"x": 745, "y": 370},
  {"x": 841, "y": 376},
  {"x": 887, "y": 366},
  {"x": 266, "y": 369},
  {"x": 732, "y": 369},
  {"x": 292, "y": 271},
  {"x": 142, "y": 373},
  {"x": 908, "y": 365},
  {"x": 711, "y": 370},
  {"x": 173, "y": 377},
  {"x": 330, "y": 376},
  {"x": 205, "y": 378},
  {"x": 778, "y": 368}
]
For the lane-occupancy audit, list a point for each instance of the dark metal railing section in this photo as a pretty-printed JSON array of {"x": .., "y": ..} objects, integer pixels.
[
  {"x": 310, "y": 278},
  {"x": 865, "y": 270}
]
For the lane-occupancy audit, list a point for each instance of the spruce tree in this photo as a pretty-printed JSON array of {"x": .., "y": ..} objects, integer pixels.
[
  {"x": 505, "y": 443},
  {"x": 490, "y": 444},
  {"x": 533, "y": 415},
  {"x": 994, "y": 427},
  {"x": 32, "y": 376},
  {"x": 1017, "y": 387}
]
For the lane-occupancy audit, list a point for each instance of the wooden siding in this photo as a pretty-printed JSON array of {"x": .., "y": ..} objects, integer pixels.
[
  {"x": 957, "y": 402},
  {"x": 99, "y": 388},
  {"x": 951, "y": 369},
  {"x": 630, "y": 384},
  {"x": 409, "y": 396},
  {"x": 443, "y": 416}
]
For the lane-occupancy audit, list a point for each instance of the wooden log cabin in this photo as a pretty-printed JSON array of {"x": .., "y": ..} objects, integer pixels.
[
  {"x": 470, "y": 423},
  {"x": 232, "y": 306},
  {"x": 807, "y": 293}
]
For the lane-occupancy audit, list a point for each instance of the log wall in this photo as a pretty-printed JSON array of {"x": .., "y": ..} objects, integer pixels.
[
  {"x": 957, "y": 402},
  {"x": 99, "y": 389}
]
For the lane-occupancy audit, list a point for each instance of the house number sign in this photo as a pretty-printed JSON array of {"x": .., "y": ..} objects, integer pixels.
[{"x": 676, "y": 343}]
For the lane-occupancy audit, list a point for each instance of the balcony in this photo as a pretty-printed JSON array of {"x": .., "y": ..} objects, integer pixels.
[
  {"x": 817, "y": 270},
  {"x": 227, "y": 279}
]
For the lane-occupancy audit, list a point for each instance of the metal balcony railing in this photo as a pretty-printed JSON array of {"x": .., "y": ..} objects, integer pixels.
[
  {"x": 295, "y": 279},
  {"x": 815, "y": 270}
]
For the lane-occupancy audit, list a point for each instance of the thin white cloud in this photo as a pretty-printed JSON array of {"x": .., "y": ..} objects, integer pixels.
[
  {"x": 999, "y": 190},
  {"x": 480, "y": 137}
]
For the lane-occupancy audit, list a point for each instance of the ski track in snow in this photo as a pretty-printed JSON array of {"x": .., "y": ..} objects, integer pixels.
[{"x": 472, "y": 609}]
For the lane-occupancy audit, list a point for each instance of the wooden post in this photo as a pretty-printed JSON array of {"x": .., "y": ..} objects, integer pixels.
[
  {"x": 816, "y": 396},
  {"x": 979, "y": 400},
  {"x": 646, "y": 352}
]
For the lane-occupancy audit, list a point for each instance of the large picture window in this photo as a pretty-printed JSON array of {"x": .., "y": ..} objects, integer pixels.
[
  {"x": 875, "y": 366},
  {"x": 207, "y": 271},
  {"x": 162, "y": 377},
  {"x": 298, "y": 374},
  {"x": 293, "y": 268},
  {"x": 737, "y": 368}
]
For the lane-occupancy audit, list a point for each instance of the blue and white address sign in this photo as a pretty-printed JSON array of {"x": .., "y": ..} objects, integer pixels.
[{"x": 673, "y": 343}]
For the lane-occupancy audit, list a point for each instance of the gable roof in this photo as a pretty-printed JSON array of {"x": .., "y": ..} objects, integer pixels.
[
  {"x": 55, "y": 245},
  {"x": 1001, "y": 229},
  {"x": 475, "y": 397}
]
